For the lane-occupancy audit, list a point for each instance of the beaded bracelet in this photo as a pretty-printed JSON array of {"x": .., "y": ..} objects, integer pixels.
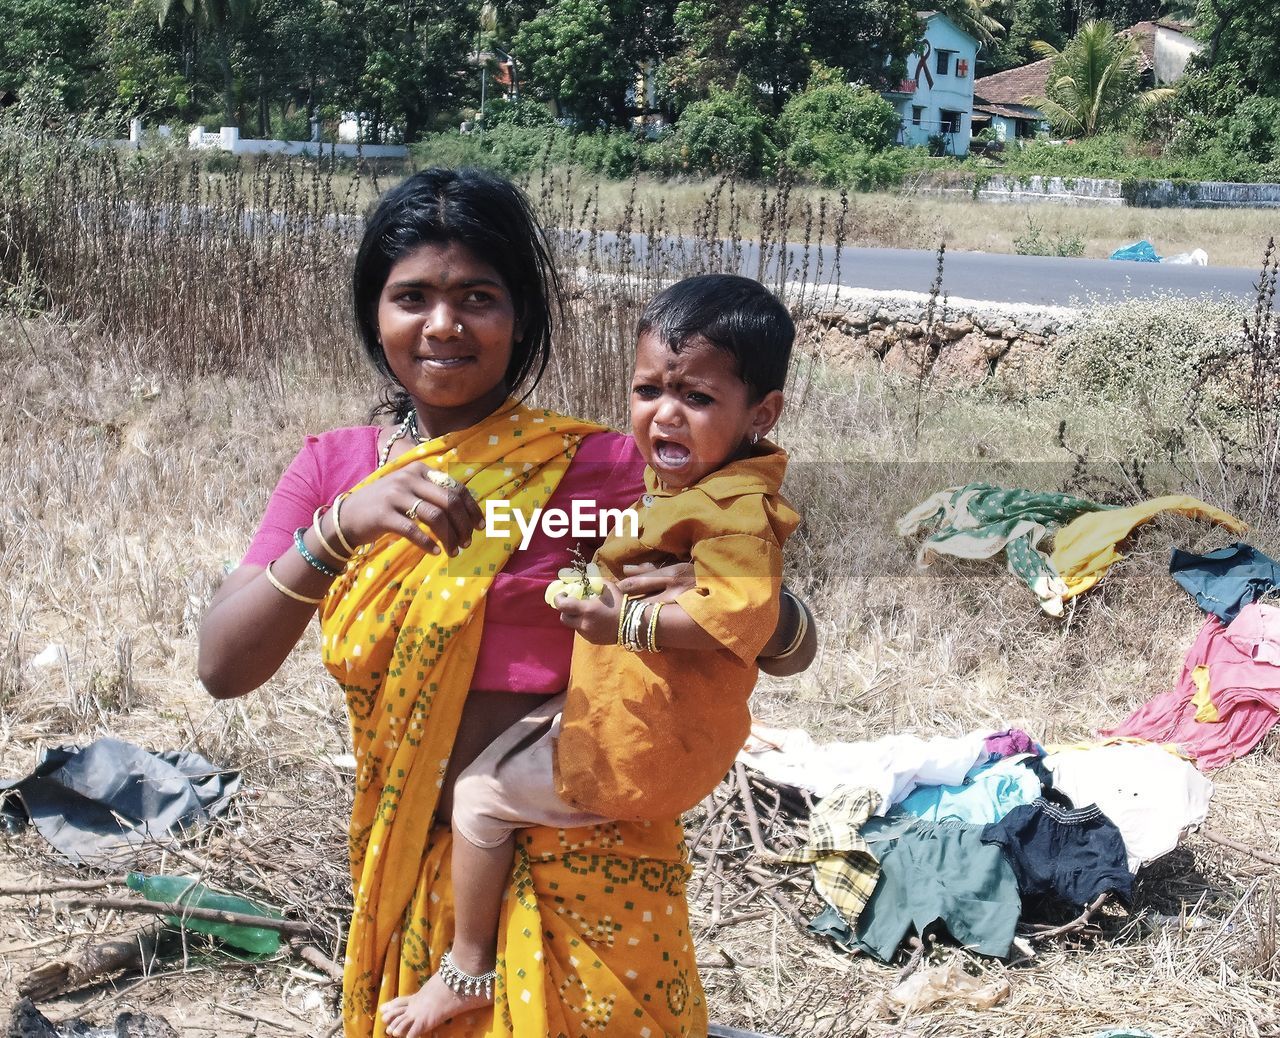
[
  {"x": 337, "y": 523},
  {"x": 311, "y": 560},
  {"x": 324, "y": 541},
  {"x": 287, "y": 591}
]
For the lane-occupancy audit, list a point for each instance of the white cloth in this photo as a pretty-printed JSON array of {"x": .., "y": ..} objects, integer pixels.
[
  {"x": 892, "y": 766},
  {"x": 1152, "y": 796}
]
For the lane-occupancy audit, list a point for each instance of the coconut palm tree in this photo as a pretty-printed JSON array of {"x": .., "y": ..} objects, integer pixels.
[
  {"x": 1093, "y": 82},
  {"x": 975, "y": 17},
  {"x": 219, "y": 19}
]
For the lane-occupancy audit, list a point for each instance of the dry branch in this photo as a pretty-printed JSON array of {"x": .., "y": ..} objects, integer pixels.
[
  {"x": 125, "y": 904},
  {"x": 98, "y": 960},
  {"x": 60, "y": 885},
  {"x": 1241, "y": 848}
]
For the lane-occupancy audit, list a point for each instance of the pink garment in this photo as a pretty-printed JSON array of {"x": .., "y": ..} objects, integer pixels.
[
  {"x": 525, "y": 647},
  {"x": 1243, "y": 685},
  {"x": 1010, "y": 742}
]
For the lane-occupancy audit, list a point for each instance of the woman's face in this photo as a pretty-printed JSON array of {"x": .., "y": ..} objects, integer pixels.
[{"x": 447, "y": 325}]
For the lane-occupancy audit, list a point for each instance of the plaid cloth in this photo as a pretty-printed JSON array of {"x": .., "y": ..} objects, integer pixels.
[{"x": 845, "y": 870}]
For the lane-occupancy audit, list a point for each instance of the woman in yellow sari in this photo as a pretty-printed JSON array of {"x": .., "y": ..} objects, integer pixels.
[{"x": 438, "y": 635}]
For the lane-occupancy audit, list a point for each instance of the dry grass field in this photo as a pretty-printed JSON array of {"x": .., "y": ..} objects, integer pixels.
[{"x": 138, "y": 445}]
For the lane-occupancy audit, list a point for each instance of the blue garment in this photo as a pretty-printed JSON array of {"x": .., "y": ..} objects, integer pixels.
[
  {"x": 990, "y": 792},
  {"x": 1225, "y": 581}
]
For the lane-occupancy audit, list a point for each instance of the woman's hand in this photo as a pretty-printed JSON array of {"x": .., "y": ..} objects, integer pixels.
[{"x": 449, "y": 513}]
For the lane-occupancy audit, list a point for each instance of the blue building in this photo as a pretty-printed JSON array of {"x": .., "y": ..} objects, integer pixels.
[{"x": 936, "y": 97}]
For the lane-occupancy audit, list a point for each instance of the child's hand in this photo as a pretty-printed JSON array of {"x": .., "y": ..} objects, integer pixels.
[{"x": 595, "y": 618}]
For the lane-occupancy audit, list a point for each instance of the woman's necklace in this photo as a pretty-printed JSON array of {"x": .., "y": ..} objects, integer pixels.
[{"x": 409, "y": 425}]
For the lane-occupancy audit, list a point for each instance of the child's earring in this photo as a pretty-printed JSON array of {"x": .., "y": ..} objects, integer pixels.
[{"x": 755, "y": 438}]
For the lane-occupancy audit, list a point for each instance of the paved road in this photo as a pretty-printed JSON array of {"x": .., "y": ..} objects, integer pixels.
[{"x": 1034, "y": 280}]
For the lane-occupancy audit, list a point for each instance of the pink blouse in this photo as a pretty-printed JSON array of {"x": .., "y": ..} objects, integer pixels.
[{"x": 524, "y": 647}]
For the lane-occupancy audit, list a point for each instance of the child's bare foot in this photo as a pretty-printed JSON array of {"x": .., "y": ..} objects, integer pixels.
[{"x": 417, "y": 1015}]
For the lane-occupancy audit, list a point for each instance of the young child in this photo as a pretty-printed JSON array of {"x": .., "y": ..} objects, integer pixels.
[{"x": 656, "y": 707}]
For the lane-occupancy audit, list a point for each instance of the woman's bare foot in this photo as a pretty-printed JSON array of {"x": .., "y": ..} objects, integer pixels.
[{"x": 417, "y": 1015}]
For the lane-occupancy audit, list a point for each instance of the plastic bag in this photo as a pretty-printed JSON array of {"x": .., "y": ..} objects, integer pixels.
[
  {"x": 1139, "y": 252},
  {"x": 948, "y": 983},
  {"x": 1194, "y": 258}
]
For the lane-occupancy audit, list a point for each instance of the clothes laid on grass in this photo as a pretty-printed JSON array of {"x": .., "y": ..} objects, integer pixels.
[
  {"x": 1226, "y": 580},
  {"x": 938, "y": 872},
  {"x": 647, "y": 735},
  {"x": 988, "y": 793},
  {"x": 1010, "y": 742},
  {"x": 1085, "y": 548},
  {"x": 1073, "y": 855},
  {"x": 96, "y": 805},
  {"x": 845, "y": 870},
  {"x": 1228, "y": 696},
  {"x": 980, "y": 520},
  {"x": 594, "y": 936},
  {"x": 893, "y": 765},
  {"x": 1150, "y": 795}
]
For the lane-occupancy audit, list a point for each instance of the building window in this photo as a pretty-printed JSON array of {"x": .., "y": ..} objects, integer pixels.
[
  {"x": 951, "y": 121},
  {"x": 944, "y": 62},
  {"x": 917, "y": 114}
]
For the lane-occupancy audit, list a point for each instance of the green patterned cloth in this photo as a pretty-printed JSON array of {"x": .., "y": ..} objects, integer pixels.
[{"x": 981, "y": 520}]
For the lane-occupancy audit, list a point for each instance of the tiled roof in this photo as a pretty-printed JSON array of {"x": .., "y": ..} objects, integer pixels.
[
  {"x": 1014, "y": 85},
  {"x": 1010, "y": 111}
]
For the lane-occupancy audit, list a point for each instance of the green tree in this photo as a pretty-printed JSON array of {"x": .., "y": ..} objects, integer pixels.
[
  {"x": 407, "y": 65},
  {"x": 1244, "y": 34},
  {"x": 218, "y": 22},
  {"x": 976, "y": 17},
  {"x": 58, "y": 39},
  {"x": 830, "y": 128},
  {"x": 774, "y": 42},
  {"x": 1093, "y": 82},
  {"x": 726, "y": 133},
  {"x": 588, "y": 55},
  {"x": 1027, "y": 21}
]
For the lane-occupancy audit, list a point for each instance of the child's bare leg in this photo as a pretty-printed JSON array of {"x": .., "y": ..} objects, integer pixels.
[{"x": 480, "y": 877}]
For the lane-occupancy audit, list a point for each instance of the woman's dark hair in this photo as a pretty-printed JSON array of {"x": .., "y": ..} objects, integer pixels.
[
  {"x": 734, "y": 314},
  {"x": 489, "y": 216}
]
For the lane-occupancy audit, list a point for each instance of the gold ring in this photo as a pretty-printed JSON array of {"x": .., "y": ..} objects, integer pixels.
[
  {"x": 412, "y": 513},
  {"x": 441, "y": 479}
]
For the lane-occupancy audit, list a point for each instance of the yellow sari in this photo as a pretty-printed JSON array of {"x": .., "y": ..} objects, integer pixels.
[{"x": 594, "y": 937}]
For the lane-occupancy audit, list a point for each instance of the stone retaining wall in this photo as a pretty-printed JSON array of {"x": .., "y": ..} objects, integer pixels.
[{"x": 967, "y": 344}]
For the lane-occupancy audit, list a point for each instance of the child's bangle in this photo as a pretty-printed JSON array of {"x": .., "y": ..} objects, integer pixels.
[{"x": 802, "y": 629}]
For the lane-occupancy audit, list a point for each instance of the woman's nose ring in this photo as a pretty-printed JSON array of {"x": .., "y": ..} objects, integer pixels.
[{"x": 457, "y": 329}]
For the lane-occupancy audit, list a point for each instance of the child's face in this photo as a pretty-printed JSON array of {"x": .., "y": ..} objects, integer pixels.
[{"x": 690, "y": 412}]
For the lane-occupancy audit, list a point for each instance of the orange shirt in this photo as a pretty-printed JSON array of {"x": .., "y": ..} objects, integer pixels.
[{"x": 649, "y": 735}]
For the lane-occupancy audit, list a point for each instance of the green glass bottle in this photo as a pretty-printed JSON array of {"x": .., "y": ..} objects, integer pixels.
[{"x": 184, "y": 890}]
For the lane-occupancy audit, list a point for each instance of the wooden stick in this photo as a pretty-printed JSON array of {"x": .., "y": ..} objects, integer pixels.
[
  {"x": 1076, "y": 925},
  {"x": 1242, "y": 848},
  {"x": 212, "y": 915},
  {"x": 60, "y": 885},
  {"x": 749, "y": 805},
  {"x": 917, "y": 953},
  {"x": 741, "y": 917},
  {"x": 313, "y": 956},
  {"x": 54, "y": 978}
]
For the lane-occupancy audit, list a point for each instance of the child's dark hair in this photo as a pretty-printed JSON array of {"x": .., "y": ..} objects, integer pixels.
[
  {"x": 493, "y": 219},
  {"x": 734, "y": 314}
]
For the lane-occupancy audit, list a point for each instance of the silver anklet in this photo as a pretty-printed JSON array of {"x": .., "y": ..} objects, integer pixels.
[{"x": 464, "y": 984}]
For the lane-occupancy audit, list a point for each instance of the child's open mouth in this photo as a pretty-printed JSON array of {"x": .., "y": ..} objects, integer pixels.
[{"x": 671, "y": 455}]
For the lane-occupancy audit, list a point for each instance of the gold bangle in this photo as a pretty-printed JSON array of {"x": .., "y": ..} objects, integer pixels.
[
  {"x": 337, "y": 523},
  {"x": 289, "y": 592},
  {"x": 324, "y": 541},
  {"x": 651, "y": 637},
  {"x": 802, "y": 628},
  {"x": 622, "y": 619}
]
